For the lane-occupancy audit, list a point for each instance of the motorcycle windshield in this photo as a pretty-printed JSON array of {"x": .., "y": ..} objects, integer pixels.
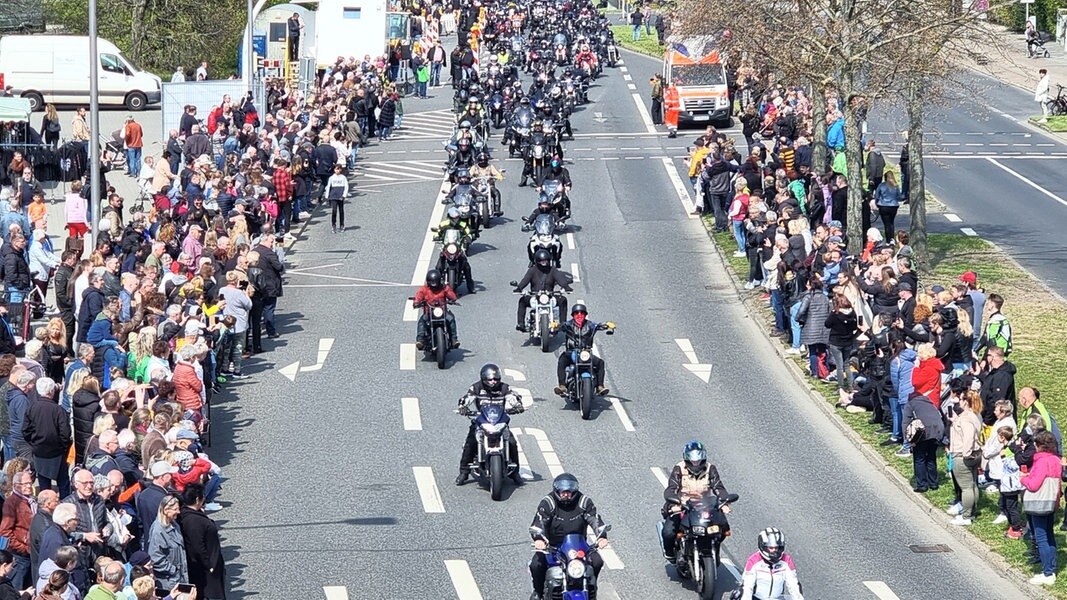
[
  {"x": 524, "y": 119},
  {"x": 544, "y": 225},
  {"x": 551, "y": 187},
  {"x": 463, "y": 197},
  {"x": 451, "y": 236},
  {"x": 493, "y": 413},
  {"x": 574, "y": 542}
]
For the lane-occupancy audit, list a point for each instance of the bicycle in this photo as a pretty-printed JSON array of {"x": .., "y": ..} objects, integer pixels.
[{"x": 1058, "y": 105}]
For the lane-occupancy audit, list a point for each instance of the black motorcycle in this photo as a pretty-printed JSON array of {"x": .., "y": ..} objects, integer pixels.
[
  {"x": 702, "y": 529},
  {"x": 440, "y": 339}
]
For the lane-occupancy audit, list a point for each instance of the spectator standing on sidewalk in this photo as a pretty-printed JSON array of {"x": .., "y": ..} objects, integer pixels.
[
  {"x": 636, "y": 18},
  {"x": 1041, "y": 93},
  {"x": 133, "y": 136}
]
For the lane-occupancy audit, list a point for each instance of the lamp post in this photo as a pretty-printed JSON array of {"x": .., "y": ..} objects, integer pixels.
[{"x": 94, "y": 128}]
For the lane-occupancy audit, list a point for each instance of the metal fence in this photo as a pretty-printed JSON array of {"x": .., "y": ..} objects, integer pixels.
[
  {"x": 22, "y": 16},
  {"x": 204, "y": 95}
]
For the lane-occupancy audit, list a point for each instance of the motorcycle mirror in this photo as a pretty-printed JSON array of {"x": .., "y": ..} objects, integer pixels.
[
  {"x": 731, "y": 498},
  {"x": 513, "y": 283},
  {"x": 434, "y": 229},
  {"x": 526, "y": 219}
]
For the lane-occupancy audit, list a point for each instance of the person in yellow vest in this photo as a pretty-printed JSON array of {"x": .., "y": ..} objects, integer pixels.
[
  {"x": 671, "y": 105},
  {"x": 690, "y": 479}
]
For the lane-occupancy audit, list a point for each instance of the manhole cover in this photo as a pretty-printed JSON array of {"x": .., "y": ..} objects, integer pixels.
[{"x": 929, "y": 548}]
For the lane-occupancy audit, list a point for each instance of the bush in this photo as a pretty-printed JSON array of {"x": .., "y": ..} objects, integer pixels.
[{"x": 1013, "y": 16}]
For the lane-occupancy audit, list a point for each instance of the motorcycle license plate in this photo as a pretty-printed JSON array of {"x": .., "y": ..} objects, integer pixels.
[{"x": 698, "y": 531}]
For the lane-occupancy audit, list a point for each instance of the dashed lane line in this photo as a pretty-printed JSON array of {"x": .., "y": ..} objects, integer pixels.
[
  {"x": 627, "y": 77},
  {"x": 428, "y": 492},
  {"x": 631, "y": 86},
  {"x": 524, "y": 464},
  {"x": 661, "y": 475},
  {"x": 611, "y": 559},
  {"x": 407, "y": 357},
  {"x": 412, "y": 414},
  {"x": 575, "y": 273},
  {"x": 969, "y": 231},
  {"x": 463, "y": 580},
  {"x": 545, "y": 446},
  {"x": 335, "y": 592},
  {"x": 570, "y": 241},
  {"x": 953, "y": 218},
  {"x": 881, "y": 590}
]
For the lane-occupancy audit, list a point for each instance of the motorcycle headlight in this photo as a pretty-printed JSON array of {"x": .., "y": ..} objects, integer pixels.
[
  {"x": 451, "y": 249},
  {"x": 584, "y": 355},
  {"x": 438, "y": 312},
  {"x": 543, "y": 298},
  {"x": 576, "y": 569}
]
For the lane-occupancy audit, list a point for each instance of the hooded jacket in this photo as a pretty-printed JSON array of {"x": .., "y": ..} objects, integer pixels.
[
  {"x": 997, "y": 384},
  {"x": 900, "y": 373}
]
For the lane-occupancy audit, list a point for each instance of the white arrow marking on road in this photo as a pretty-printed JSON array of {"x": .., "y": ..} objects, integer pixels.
[
  {"x": 463, "y": 580},
  {"x": 701, "y": 370},
  {"x": 611, "y": 559},
  {"x": 514, "y": 374},
  {"x": 428, "y": 492},
  {"x": 570, "y": 241},
  {"x": 525, "y": 394},
  {"x": 661, "y": 475},
  {"x": 574, "y": 272},
  {"x": 290, "y": 371},
  {"x": 881, "y": 590},
  {"x": 335, "y": 592},
  {"x": 545, "y": 446},
  {"x": 412, "y": 414},
  {"x": 407, "y": 357},
  {"x": 679, "y": 188},
  {"x": 325, "y": 345},
  {"x": 599, "y": 117}
]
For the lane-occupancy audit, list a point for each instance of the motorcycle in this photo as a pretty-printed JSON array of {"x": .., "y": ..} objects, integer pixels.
[
  {"x": 581, "y": 379},
  {"x": 440, "y": 339},
  {"x": 699, "y": 539},
  {"x": 488, "y": 199},
  {"x": 494, "y": 461},
  {"x": 518, "y": 131},
  {"x": 544, "y": 227},
  {"x": 570, "y": 573},
  {"x": 452, "y": 251},
  {"x": 542, "y": 318},
  {"x": 554, "y": 189},
  {"x": 496, "y": 109},
  {"x": 538, "y": 156},
  {"x": 465, "y": 202}
]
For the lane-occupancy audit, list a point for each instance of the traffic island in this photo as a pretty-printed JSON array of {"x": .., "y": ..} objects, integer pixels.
[
  {"x": 647, "y": 45},
  {"x": 1039, "y": 323},
  {"x": 1056, "y": 124}
]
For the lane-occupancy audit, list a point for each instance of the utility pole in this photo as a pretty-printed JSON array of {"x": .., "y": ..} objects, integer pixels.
[{"x": 94, "y": 129}]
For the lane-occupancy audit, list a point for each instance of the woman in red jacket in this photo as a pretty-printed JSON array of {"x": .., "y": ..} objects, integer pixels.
[
  {"x": 1046, "y": 468},
  {"x": 926, "y": 377}
]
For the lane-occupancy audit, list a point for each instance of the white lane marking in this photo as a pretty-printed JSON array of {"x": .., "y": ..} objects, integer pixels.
[
  {"x": 731, "y": 567},
  {"x": 974, "y": 144},
  {"x": 290, "y": 371},
  {"x": 335, "y": 592},
  {"x": 426, "y": 253},
  {"x": 407, "y": 357},
  {"x": 646, "y": 118},
  {"x": 411, "y": 314},
  {"x": 1007, "y": 116},
  {"x": 575, "y": 273},
  {"x": 611, "y": 559},
  {"x": 631, "y": 86},
  {"x": 661, "y": 475},
  {"x": 881, "y": 590},
  {"x": 1022, "y": 178},
  {"x": 953, "y": 218},
  {"x": 679, "y": 187},
  {"x": 428, "y": 492},
  {"x": 969, "y": 231},
  {"x": 545, "y": 446},
  {"x": 412, "y": 414},
  {"x": 463, "y": 580},
  {"x": 325, "y": 345},
  {"x": 524, "y": 464},
  {"x": 703, "y": 371},
  {"x": 622, "y": 69},
  {"x": 687, "y": 348},
  {"x": 627, "y": 77},
  {"x": 1045, "y": 145},
  {"x": 624, "y": 418},
  {"x": 525, "y": 394},
  {"x": 514, "y": 374},
  {"x": 570, "y": 241},
  {"x": 999, "y": 144}
]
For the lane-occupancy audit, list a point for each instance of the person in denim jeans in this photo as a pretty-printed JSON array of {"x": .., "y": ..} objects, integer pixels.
[
  {"x": 900, "y": 368},
  {"x": 635, "y": 19},
  {"x": 812, "y": 313},
  {"x": 238, "y": 306},
  {"x": 843, "y": 328}
]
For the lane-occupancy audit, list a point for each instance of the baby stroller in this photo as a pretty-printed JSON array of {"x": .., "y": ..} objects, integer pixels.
[
  {"x": 1035, "y": 46},
  {"x": 115, "y": 147}
]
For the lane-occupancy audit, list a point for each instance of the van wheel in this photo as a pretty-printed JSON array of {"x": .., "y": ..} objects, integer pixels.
[
  {"x": 136, "y": 101},
  {"x": 36, "y": 101}
]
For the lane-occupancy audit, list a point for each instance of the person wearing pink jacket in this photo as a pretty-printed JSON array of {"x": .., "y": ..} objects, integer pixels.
[{"x": 1046, "y": 466}]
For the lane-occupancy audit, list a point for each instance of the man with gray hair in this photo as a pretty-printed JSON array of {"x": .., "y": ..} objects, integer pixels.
[
  {"x": 170, "y": 327},
  {"x": 91, "y": 515},
  {"x": 47, "y": 431},
  {"x": 46, "y": 503},
  {"x": 102, "y": 460},
  {"x": 112, "y": 577},
  {"x": 18, "y": 402},
  {"x": 56, "y": 539}
]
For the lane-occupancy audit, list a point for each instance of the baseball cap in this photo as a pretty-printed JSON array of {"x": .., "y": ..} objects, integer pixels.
[
  {"x": 140, "y": 558},
  {"x": 905, "y": 287},
  {"x": 969, "y": 277},
  {"x": 937, "y": 289},
  {"x": 834, "y": 239},
  {"x": 161, "y": 468},
  {"x": 193, "y": 327},
  {"x": 187, "y": 434}
]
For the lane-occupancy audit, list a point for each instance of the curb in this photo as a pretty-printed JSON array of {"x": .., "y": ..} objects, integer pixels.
[{"x": 999, "y": 563}]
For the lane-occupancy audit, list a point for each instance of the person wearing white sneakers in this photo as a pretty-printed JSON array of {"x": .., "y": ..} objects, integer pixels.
[
  {"x": 965, "y": 454},
  {"x": 1042, "y": 496}
]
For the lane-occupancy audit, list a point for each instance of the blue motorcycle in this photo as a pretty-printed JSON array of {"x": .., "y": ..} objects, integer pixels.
[{"x": 570, "y": 574}]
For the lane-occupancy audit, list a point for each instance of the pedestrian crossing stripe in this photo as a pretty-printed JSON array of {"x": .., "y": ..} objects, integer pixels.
[
  {"x": 370, "y": 173},
  {"x": 426, "y": 125}
]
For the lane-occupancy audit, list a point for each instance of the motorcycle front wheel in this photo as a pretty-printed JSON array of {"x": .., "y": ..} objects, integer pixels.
[
  {"x": 546, "y": 338},
  {"x": 496, "y": 476},
  {"x": 706, "y": 585},
  {"x": 585, "y": 396},
  {"x": 440, "y": 347}
]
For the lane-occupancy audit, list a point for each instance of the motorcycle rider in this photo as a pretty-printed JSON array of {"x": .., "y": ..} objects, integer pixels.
[
  {"x": 485, "y": 169},
  {"x": 455, "y": 222},
  {"x": 526, "y": 150},
  {"x": 541, "y": 278},
  {"x": 565, "y": 510},
  {"x": 488, "y": 388},
  {"x": 690, "y": 479},
  {"x": 580, "y": 331},
  {"x": 558, "y": 172},
  {"x": 585, "y": 58},
  {"x": 769, "y": 573},
  {"x": 434, "y": 292},
  {"x": 463, "y": 157}
]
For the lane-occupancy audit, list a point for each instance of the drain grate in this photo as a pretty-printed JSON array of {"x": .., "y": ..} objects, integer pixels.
[{"x": 929, "y": 548}]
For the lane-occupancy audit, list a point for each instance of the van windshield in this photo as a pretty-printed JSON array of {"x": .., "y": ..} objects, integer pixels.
[
  {"x": 129, "y": 64},
  {"x": 698, "y": 74}
]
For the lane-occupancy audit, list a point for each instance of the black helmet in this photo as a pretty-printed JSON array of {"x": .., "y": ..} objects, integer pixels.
[
  {"x": 490, "y": 377},
  {"x": 433, "y": 279},
  {"x": 565, "y": 484},
  {"x": 579, "y": 308},
  {"x": 695, "y": 457},
  {"x": 543, "y": 198},
  {"x": 483, "y": 160},
  {"x": 543, "y": 258},
  {"x": 771, "y": 544}
]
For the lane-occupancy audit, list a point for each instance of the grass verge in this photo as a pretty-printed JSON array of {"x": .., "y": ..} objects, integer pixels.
[
  {"x": 646, "y": 45},
  {"x": 1039, "y": 323},
  {"x": 1054, "y": 124}
]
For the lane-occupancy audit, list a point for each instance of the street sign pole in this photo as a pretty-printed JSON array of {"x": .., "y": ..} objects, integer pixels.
[{"x": 94, "y": 128}]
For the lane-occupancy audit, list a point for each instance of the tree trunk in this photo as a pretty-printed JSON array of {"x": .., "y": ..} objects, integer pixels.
[
  {"x": 818, "y": 117},
  {"x": 916, "y": 176},
  {"x": 856, "y": 185}
]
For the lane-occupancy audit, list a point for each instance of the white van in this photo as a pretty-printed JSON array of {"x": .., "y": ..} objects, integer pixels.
[{"x": 54, "y": 69}]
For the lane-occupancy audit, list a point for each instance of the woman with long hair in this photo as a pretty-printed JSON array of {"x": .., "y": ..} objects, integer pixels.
[
  {"x": 140, "y": 353},
  {"x": 55, "y": 349},
  {"x": 50, "y": 125}
]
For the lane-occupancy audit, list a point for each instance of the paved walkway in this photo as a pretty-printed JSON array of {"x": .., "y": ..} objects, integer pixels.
[{"x": 1010, "y": 64}]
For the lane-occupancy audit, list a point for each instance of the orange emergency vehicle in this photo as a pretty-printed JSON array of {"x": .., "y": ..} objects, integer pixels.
[{"x": 694, "y": 66}]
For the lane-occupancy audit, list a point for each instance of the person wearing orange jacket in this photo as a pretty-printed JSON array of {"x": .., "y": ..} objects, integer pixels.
[{"x": 671, "y": 105}]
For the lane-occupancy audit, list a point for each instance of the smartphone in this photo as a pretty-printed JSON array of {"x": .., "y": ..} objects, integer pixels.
[{"x": 185, "y": 588}]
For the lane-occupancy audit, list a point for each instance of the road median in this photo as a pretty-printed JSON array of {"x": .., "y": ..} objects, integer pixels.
[{"x": 1039, "y": 321}]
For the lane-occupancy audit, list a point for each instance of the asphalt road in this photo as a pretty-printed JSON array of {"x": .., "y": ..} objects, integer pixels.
[{"x": 324, "y": 471}]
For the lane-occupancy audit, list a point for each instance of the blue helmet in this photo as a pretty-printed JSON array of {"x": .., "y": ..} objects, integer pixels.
[{"x": 695, "y": 457}]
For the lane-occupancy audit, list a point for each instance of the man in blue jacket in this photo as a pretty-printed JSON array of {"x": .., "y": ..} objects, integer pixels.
[{"x": 900, "y": 375}]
